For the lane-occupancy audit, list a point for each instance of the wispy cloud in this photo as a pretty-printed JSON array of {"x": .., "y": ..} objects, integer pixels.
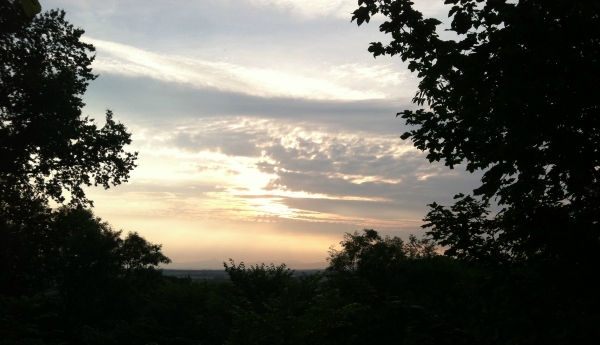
[
  {"x": 310, "y": 9},
  {"x": 385, "y": 75},
  {"x": 124, "y": 60}
]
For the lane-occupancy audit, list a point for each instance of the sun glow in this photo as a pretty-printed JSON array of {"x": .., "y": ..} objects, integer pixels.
[{"x": 195, "y": 175}]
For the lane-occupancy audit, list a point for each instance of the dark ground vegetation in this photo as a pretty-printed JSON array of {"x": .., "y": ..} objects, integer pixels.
[{"x": 375, "y": 291}]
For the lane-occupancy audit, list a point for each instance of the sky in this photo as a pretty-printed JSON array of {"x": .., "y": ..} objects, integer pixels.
[{"x": 265, "y": 129}]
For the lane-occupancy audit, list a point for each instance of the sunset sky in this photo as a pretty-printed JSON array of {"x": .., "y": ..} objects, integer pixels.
[{"x": 265, "y": 129}]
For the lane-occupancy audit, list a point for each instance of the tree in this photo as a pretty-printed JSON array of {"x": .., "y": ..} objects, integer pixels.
[
  {"x": 385, "y": 263},
  {"x": 137, "y": 254},
  {"x": 259, "y": 282},
  {"x": 31, "y": 7},
  {"x": 69, "y": 249},
  {"x": 393, "y": 291},
  {"x": 47, "y": 147},
  {"x": 96, "y": 269},
  {"x": 361, "y": 252},
  {"x": 48, "y": 150},
  {"x": 514, "y": 94}
]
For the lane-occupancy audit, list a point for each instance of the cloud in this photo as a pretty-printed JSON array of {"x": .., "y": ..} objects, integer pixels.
[
  {"x": 231, "y": 142},
  {"x": 150, "y": 102},
  {"x": 270, "y": 169},
  {"x": 257, "y": 120},
  {"x": 310, "y": 9},
  {"x": 128, "y": 61},
  {"x": 384, "y": 74}
]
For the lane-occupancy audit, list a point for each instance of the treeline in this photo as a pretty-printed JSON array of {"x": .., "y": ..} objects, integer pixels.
[{"x": 96, "y": 288}]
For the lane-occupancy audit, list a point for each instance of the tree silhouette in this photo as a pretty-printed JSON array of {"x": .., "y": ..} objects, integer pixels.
[
  {"x": 48, "y": 150},
  {"x": 258, "y": 282},
  {"x": 92, "y": 267},
  {"x": 47, "y": 147},
  {"x": 31, "y": 7},
  {"x": 514, "y": 94}
]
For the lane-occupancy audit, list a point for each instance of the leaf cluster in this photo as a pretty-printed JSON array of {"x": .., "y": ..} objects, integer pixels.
[
  {"x": 47, "y": 146},
  {"x": 513, "y": 94}
]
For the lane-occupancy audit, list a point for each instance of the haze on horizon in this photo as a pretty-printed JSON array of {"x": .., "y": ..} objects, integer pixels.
[{"x": 265, "y": 128}]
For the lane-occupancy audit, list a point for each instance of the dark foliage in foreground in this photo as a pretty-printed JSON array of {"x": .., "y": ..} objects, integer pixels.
[
  {"x": 49, "y": 149},
  {"x": 376, "y": 290},
  {"x": 513, "y": 92}
]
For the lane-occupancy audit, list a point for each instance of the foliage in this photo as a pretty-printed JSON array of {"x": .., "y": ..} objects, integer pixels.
[
  {"x": 361, "y": 252},
  {"x": 29, "y": 320},
  {"x": 402, "y": 286},
  {"x": 440, "y": 300},
  {"x": 24, "y": 236},
  {"x": 49, "y": 151},
  {"x": 71, "y": 251},
  {"x": 513, "y": 94},
  {"x": 285, "y": 317},
  {"x": 259, "y": 282},
  {"x": 461, "y": 227},
  {"x": 137, "y": 254},
  {"x": 47, "y": 146},
  {"x": 375, "y": 259},
  {"x": 31, "y": 7},
  {"x": 80, "y": 274}
]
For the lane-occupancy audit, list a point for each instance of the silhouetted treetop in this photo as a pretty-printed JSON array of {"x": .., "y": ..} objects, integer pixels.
[
  {"x": 369, "y": 252},
  {"x": 514, "y": 93},
  {"x": 46, "y": 146}
]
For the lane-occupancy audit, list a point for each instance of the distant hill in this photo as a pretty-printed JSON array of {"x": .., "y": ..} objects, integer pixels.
[{"x": 215, "y": 264}]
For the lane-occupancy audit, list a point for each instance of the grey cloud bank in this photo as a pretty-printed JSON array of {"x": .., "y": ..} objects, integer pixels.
[{"x": 150, "y": 101}]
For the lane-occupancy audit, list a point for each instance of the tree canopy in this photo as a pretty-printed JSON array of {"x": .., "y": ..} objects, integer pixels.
[
  {"x": 514, "y": 93},
  {"x": 49, "y": 151},
  {"x": 31, "y": 7},
  {"x": 47, "y": 147}
]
